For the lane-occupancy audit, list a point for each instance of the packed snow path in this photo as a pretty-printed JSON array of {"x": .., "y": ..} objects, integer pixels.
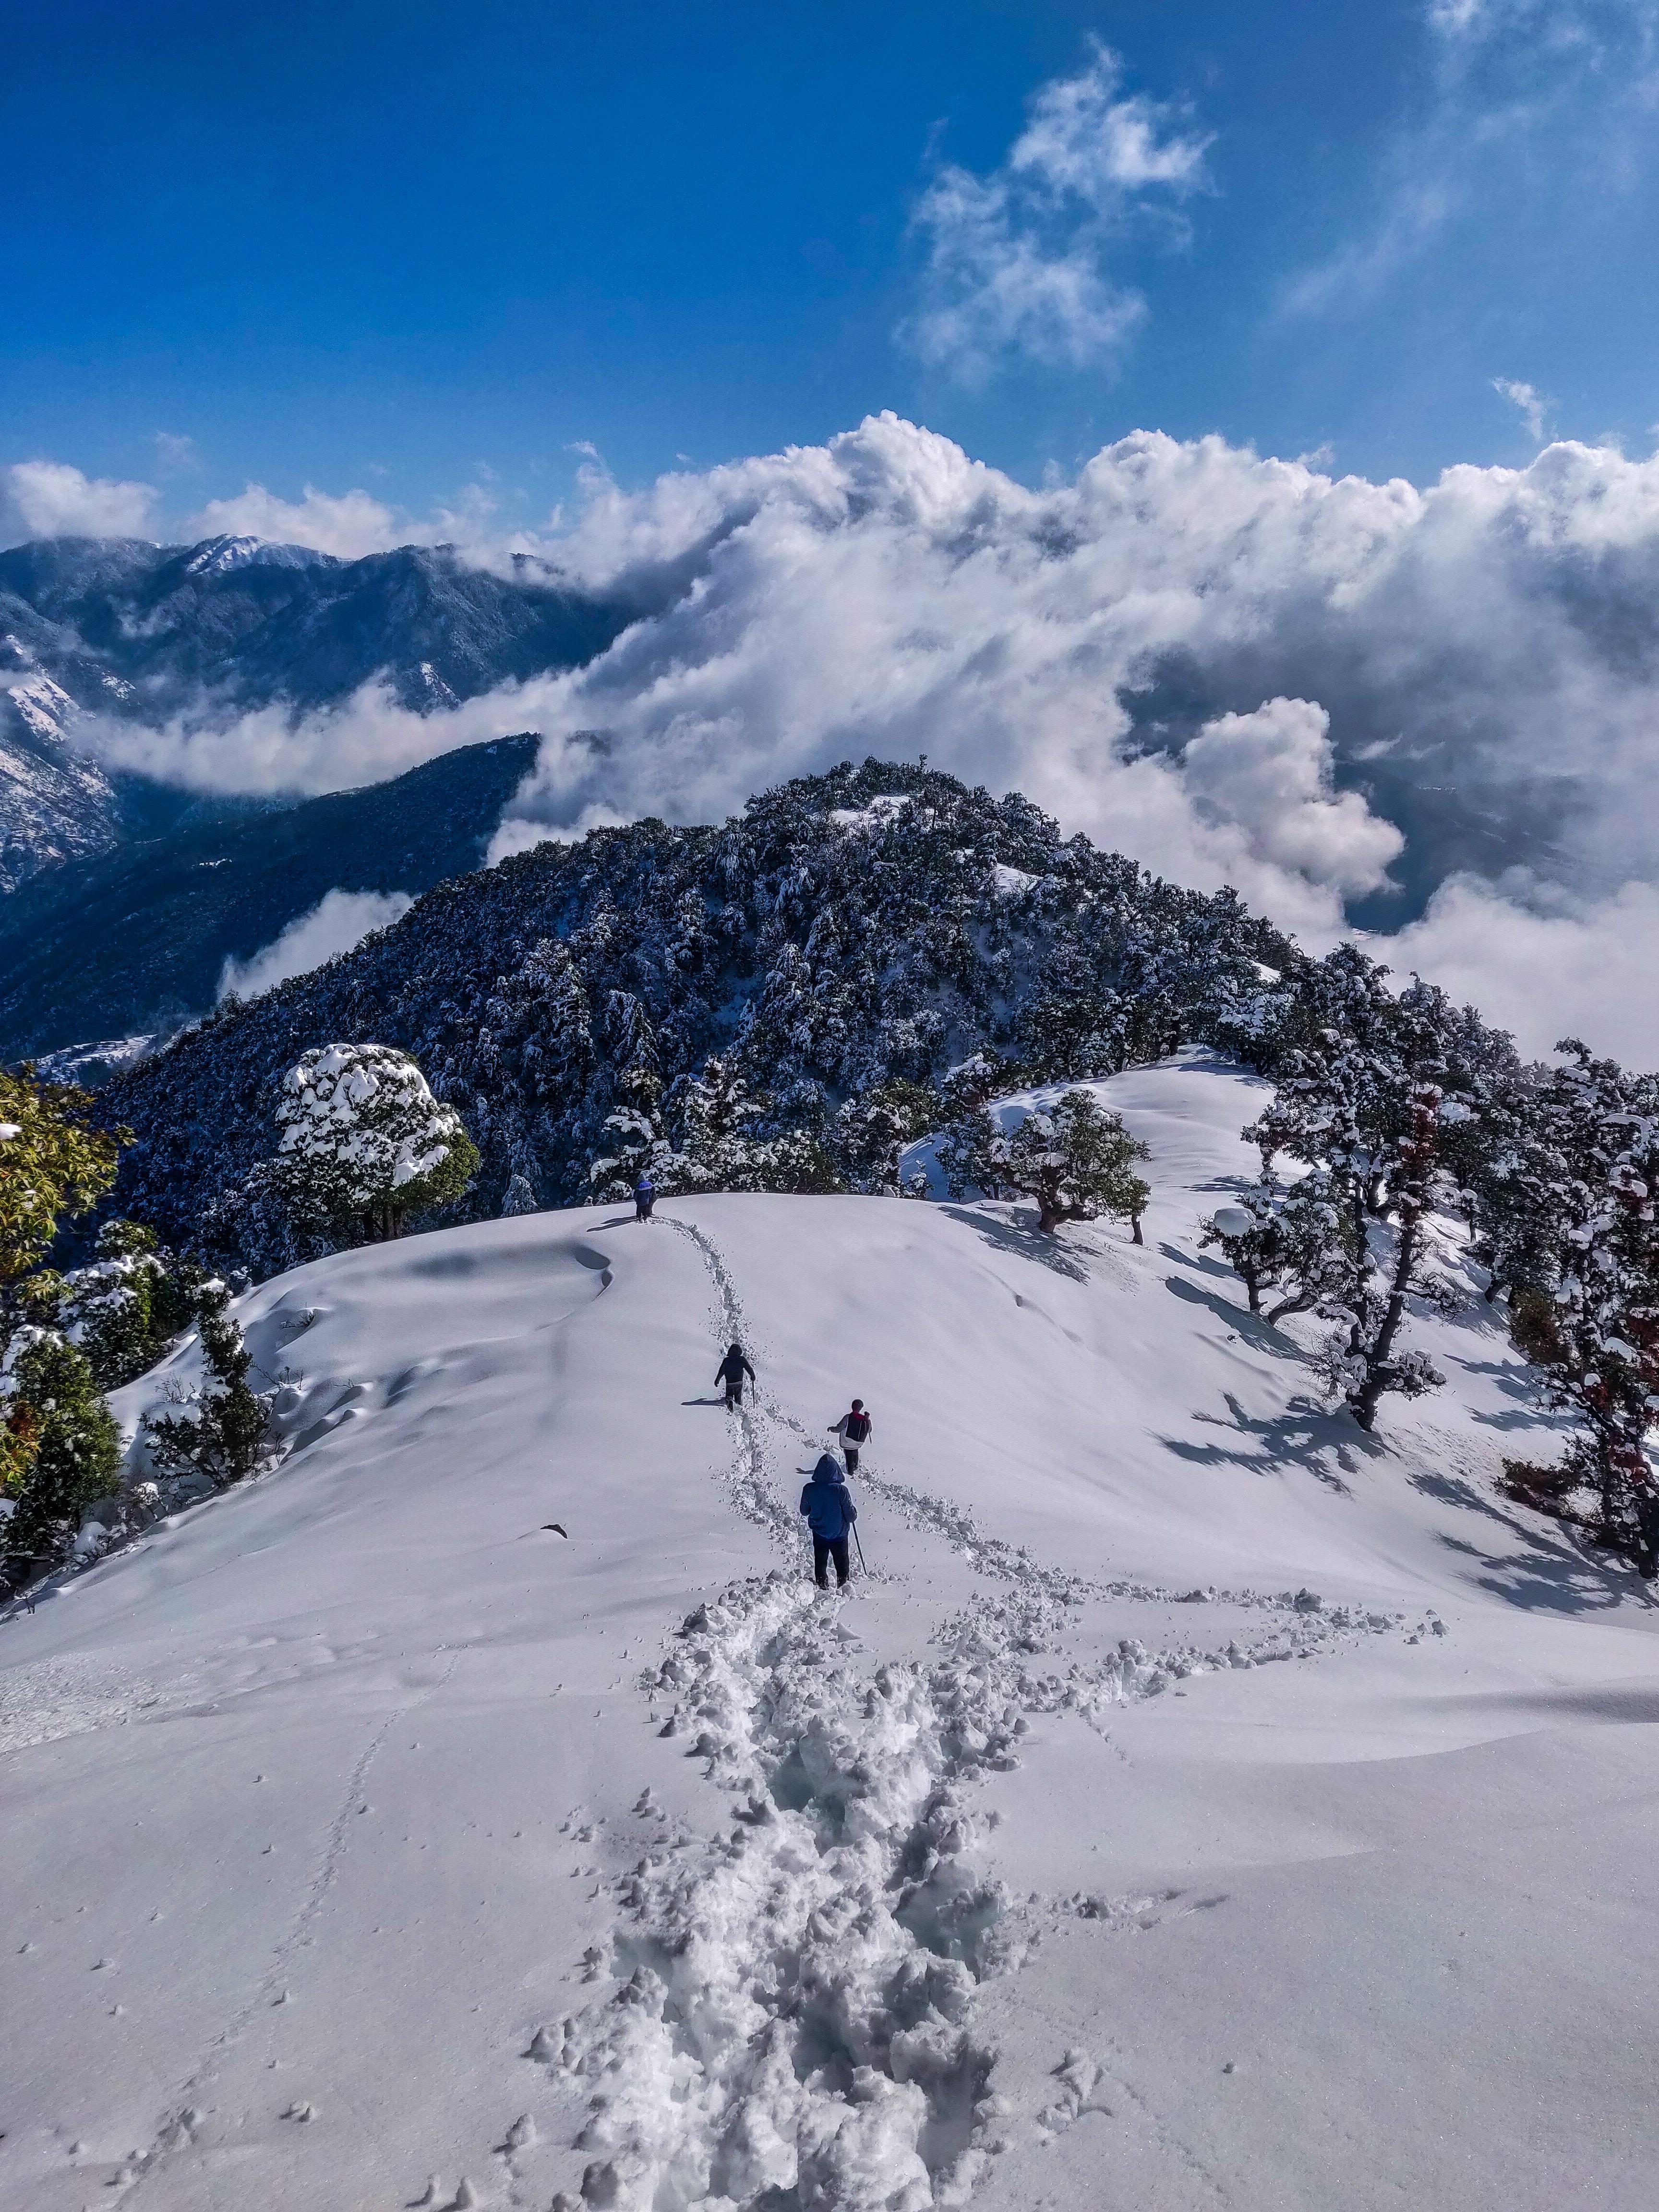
[{"x": 373, "y": 1845}]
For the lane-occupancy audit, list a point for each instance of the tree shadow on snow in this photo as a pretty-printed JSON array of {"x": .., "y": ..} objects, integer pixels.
[
  {"x": 1199, "y": 1262},
  {"x": 1025, "y": 1243},
  {"x": 1549, "y": 1572},
  {"x": 1243, "y": 1323},
  {"x": 1305, "y": 1435}
]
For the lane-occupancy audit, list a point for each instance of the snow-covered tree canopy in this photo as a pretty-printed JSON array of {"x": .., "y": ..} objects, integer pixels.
[{"x": 363, "y": 1136}]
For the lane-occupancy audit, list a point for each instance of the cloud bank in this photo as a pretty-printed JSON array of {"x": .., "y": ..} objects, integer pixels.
[
  {"x": 50, "y": 499},
  {"x": 339, "y": 921},
  {"x": 1359, "y": 703}
]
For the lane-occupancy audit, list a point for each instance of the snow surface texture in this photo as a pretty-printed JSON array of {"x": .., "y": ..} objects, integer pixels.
[{"x": 1196, "y": 1804}]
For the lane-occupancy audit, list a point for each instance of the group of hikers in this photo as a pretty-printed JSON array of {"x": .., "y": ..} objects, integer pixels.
[{"x": 826, "y": 1501}]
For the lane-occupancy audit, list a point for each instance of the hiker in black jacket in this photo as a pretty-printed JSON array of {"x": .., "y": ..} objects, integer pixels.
[{"x": 731, "y": 1372}]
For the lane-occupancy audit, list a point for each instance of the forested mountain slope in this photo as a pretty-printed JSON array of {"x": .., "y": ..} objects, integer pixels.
[
  {"x": 136, "y": 938},
  {"x": 875, "y": 923}
]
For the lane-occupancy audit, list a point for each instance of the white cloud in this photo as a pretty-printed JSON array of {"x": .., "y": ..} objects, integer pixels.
[
  {"x": 1238, "y": 669},
  {"x": 50, "y": 499},
  {"x": 337, "y": 922},
  {"x": 1017, "y": 260},
  {"x": 1590, "y": 970},
  {"x": 1268, "y": 774},
  {"x": 173, "y": 450},
  {"x": 349, "y": 524},
  {"x": 1528, "y": 401}
]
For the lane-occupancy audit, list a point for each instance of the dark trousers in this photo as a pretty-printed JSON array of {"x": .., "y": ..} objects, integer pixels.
[
  {"x": 825, "y": 1548},
  {"x": 733, "y": 1393},
  {"x": 643, "y": 1209},
  {"x": 850, "y": 1454}
]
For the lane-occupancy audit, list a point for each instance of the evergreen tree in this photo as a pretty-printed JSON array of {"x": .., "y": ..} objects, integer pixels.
[
  {"x": 127, "y": 1307},
  {"x": 1075, "y": 1159},
  {"x": 365, "y": 1144},
  {"x": 638, "y": 1145},
  {"x": 1289, "y": 1244},
  {"x": 53, "y": 1161},
  {"x": 873, "y": 1128},
  {"x": 222, "y": 1434},
  {"x": 77, "y": 1447},
  {"x": 58, "y": 1444},
  {"x": 1360, "y": 1102},
  {"x": 1591, "y": 1318}
]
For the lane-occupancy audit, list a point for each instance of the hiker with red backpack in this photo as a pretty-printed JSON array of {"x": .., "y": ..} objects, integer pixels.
[{"x": 854, "y": 1430}]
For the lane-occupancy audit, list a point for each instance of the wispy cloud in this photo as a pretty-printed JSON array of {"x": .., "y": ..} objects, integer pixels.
[
  {"x": 50, "y": 499},
  {"x": 173, "y": 450},
  {"x": 1018, "y": 260},
  {"x": 1529, "y": 402},
  {"x": 1502, "y": 76}
]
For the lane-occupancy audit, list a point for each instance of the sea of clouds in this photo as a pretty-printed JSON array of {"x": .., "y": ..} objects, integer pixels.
[{"x": 1432, "y": 715}]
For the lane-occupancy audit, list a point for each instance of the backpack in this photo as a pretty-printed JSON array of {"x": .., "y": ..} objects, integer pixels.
[{"x": 858, "y": 1427}]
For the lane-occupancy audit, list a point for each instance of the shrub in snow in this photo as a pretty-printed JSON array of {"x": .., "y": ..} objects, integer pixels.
[
  {"x": 221, "y": 1428},
  {"x": 1076, "y": 1160},
  {"x": 365, "y": 1144}
]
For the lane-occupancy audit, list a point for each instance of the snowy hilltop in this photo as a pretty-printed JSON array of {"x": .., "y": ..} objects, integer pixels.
[
  {"x": 835, "y": 948},
  {"x": 1196, "y": 1801}
]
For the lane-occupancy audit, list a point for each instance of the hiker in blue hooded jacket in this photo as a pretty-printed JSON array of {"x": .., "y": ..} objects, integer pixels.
[{"x": 830, "y": 1514}]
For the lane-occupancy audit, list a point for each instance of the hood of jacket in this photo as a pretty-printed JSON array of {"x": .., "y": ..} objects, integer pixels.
[{"x": 829, "y": 1469}]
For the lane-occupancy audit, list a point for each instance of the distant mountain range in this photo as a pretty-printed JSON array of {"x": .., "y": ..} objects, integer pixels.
[
  {"x": 118, "y": 627},
  {"x": 136, "y": 937}
]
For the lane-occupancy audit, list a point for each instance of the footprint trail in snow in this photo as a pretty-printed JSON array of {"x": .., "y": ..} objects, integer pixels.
[{"x": 791, "y": 2025}]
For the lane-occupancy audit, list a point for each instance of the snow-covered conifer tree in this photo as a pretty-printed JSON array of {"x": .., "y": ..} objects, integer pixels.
[
  {"x": 1359, "y": 1102},
  {"x": 1075, "y": 1158},
  {"x": 637, "y": 1144},
  {"x": 1592, "y": 1325},
  {"x": 1288, "y": 1244},
  {"x": 365, "y": 1144}
]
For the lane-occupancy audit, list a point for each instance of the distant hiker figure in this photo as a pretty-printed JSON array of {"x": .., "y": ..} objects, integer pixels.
[
  {"x": 830, "y": 1514},
  {"x": 854, "y": 1430},
  {"x": 731, "y": 1372},
  {"x": 644, "y": 1192}
]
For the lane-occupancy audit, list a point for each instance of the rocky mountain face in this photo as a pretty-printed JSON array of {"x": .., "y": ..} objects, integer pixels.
[
  {"x": 874, "y": 923},
  {"x": 136, "y": 937},
  {"x": 116, "y": 627}
]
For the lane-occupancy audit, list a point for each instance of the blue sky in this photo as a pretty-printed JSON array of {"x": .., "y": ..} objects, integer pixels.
[{"x": 417, "y": 247}]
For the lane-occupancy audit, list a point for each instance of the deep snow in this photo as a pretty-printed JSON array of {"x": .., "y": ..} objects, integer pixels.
[{"x": 370, "y": 1844}]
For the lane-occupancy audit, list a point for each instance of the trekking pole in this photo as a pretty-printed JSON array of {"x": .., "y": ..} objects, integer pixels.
[{"x": 863, "y": 1569}]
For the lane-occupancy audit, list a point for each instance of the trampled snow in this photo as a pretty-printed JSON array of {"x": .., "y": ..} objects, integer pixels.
[{"x": 1196, "y": 1804}]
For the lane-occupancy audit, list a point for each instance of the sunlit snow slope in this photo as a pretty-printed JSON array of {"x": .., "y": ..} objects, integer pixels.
[{"x": 368, "y": 1843}]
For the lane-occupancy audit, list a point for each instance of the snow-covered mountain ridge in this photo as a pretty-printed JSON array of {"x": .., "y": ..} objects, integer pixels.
[{"x": 373, "y": 1843}]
